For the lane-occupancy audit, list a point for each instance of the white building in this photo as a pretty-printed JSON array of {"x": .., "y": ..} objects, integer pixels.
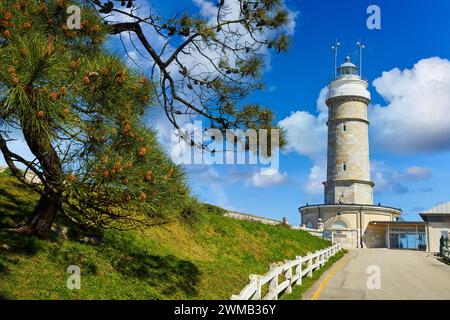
[{"x": 437, "y": 223}]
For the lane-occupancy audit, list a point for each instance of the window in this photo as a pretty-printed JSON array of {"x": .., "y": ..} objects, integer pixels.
[
  {"x": 339, "y": 225},
  {"x": 344, "y": 166},
  {"x": 344, "y": 127},
  {"x": 309, "y": 225}
]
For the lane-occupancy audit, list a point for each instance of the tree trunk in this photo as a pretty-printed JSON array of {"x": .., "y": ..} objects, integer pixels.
[
  {"x": 43, "y": 215},
  {"x": 51, "y": 200}
]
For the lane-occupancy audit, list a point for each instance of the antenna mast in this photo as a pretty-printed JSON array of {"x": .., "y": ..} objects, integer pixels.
[
  {"x": 361, "y": 47},
  {"x": 335, "y": 50}
]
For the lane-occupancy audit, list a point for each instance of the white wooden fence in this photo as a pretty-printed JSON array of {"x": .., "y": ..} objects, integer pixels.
[{"x": 292, "y": 272}]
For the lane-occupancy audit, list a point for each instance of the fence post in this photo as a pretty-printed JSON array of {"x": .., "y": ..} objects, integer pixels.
[
  {"x": 257, "y": 278},
  {"x": 298, "y": 270},
  {"x": 288, "y": 276},
  {"x": 318, "y": 262},
  {"x": 309, "y": 264},
  {"x": 273, "y": 284}
]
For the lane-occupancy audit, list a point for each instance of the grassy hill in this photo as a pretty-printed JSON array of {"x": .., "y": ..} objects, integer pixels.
[{"x": 209, "y": 257}]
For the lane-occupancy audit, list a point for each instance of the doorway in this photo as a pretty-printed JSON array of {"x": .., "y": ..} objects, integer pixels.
[{"x": 407, "y": 237}]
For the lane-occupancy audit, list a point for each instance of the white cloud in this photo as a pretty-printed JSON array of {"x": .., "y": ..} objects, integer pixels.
[
  {"x": 418, "y": 173},
  {"x": 141, "y": 10},
  {"x": 206, "y": 181},
  {"x": 379, "y": 175},
  {"x": 232, "y": 10},
  {"x": 392, "y": 180},
  {"x": 306, "y": 134},
  {"x": 267, "y": 180},
  {"x": 236, "y": 36},
  {"x": 156, "y": 118},
  {"x": 316, "y": 176},
  {"x": 208, "y": 9},
  {"x": 417, "y": 117}
]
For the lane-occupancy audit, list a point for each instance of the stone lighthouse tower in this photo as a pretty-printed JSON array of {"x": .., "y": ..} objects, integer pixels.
[
  {"x": 348, "y": 167},
  {"x": 348, "y": 214}
]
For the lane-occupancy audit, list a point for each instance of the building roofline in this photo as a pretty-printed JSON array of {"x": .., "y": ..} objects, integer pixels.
[
  {"x": 354, "y": 205},
  {"x": 426, "y": 215},
  {"x": 398, "y": 222},
  {"x": 440, "y": 209},
  {"x": 434, "y": 213}
]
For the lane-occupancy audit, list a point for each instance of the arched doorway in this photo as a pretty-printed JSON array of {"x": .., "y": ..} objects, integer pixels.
[{"x": 339, "y": 225}]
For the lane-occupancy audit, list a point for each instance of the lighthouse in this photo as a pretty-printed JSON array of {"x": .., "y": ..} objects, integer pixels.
[
  {"x": 347, "y": 214},
  {"x": 348, "y": 164}
]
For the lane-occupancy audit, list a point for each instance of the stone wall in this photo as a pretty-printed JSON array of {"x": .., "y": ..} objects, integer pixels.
[
  {"x": 375, "y": 236},
  {"x": 348, "y": 191},
  {"x": 29, "y": 176},
  {"x": 348, "y": 238},
  {"x": 249, "y": 217},
  {"x": 273, "y": 222}
]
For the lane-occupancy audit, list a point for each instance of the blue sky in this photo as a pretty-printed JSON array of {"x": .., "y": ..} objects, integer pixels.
[
  {"x": 406, "y": 63},
  {"x": 410, "y": 31}
]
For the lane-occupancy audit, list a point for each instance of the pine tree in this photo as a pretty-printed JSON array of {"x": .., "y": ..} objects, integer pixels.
[
  {"x": 80, "y": 111},
  {"x": 209, "y": 66}
]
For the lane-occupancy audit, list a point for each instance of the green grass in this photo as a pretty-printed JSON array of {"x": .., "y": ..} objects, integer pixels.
[{"x": 209, "y": 258}]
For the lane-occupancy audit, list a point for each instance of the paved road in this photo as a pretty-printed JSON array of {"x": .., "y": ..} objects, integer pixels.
[{"x": 404, "y": 275}]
